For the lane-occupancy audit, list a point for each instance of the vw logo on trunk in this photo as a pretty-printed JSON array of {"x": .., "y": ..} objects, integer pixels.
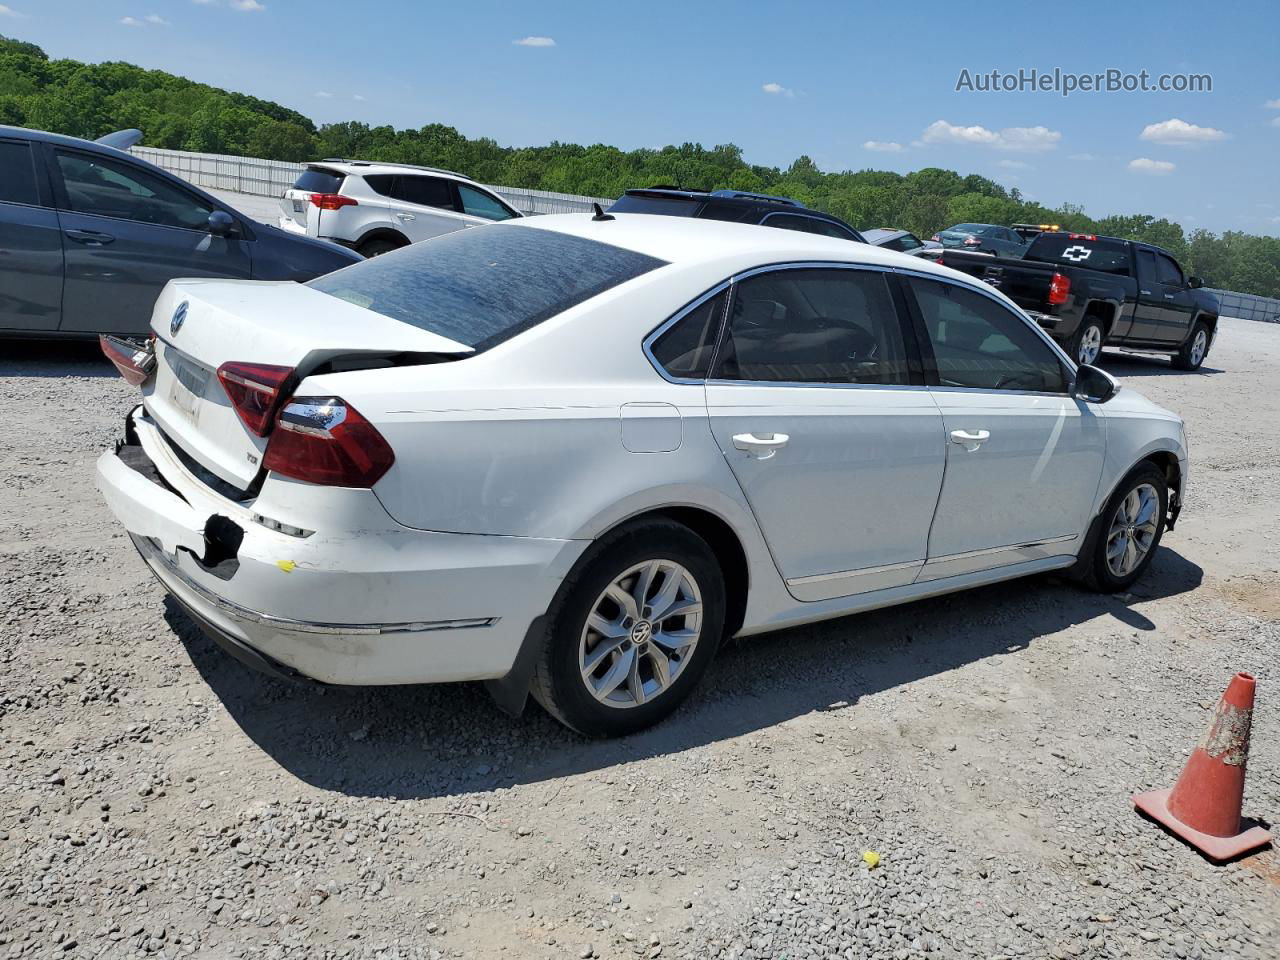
[{"x": 179, "y": 316}]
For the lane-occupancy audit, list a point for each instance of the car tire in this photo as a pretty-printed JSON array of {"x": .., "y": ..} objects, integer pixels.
[
  {"x": 1127, "y": 533},
  {"x": 1085, "y": 345},
  {"x": 636, "y": 677},
  {"x": 1195, "y": 349},
  {"x": 378, "y": 246}
]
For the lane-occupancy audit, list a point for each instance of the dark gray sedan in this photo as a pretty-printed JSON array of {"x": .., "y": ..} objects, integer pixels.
[
  {"x": 982, "y": 238},
  {"x": 89, "y": 235}
]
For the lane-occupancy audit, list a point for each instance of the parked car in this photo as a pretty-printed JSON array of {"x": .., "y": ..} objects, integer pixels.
[
  {"x": 89, "y": 236},
  {"x": 570, "y": 458},
  {"x": 904, "y": 241},
  {"x": 1088, "y": 291},
  {"x": 987, "y": 237},
  {"x": 735, "y": 206},
  {"x": 379, "y": 207}
]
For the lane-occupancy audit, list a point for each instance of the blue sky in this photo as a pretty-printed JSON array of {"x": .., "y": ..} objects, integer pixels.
[{"x": 823, "y": 79}]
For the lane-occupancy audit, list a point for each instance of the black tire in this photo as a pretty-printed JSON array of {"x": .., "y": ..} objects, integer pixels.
[
  {"x": 1089, "y": 329},
  {"x": 378, "y": 246},
  {"x": 1187, "y": 358},
  {"x": 558, "y": 682},
  {"x": 1096, "y": 571}
]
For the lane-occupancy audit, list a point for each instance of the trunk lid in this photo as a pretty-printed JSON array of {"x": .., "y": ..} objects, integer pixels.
[
  {"x": 202, "y": 324},
  {"x": 294, "y": 207}
]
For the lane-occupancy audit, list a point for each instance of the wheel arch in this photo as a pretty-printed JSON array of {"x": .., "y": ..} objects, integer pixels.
[
  {"x": 1105, "y": 310},
  {"x": 382, "y": 233}
]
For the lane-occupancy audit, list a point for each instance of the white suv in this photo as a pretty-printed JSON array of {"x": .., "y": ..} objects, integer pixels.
[{"x": 378, "y": 207}]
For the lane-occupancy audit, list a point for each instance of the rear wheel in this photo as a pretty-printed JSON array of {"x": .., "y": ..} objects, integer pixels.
[
  {"x": 378, "y": 246},
  {"x": 1195, "y": 349},
  {"x": 1129, "y": 530},
  {"x": 1086, "y": 345},
  {"x": 632, "y": 630}
]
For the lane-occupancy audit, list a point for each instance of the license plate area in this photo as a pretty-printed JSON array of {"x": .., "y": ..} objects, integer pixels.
[
  {"x": 297, "y": 205},
  {"x": 188, "y": 384}
]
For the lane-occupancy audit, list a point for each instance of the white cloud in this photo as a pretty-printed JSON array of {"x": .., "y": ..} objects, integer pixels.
[
  {"x": 535, "y": 42},
  {"x": 1013, "y": 165},
  {"x": 10, "y": 12},
  {"x": 1271, "y": 105},
  {"x": 324, "y": 94},
  {"x": 1157, "y": 168},
  {"x": 156, "y": 19},
  {"x": 778, "y": 89},
  {"x": 132, "y": 22},
  {"x": 247, "y": 6},
  {"x": 1020, "y": 139},
  {"x": 1179, "y": 133},
  {"x": 882, "y": 146},
  {"x": 358, "y": 96}
]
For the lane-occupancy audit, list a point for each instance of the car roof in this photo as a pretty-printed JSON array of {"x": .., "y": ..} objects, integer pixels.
[
  {"x": 363, "y": 167},
  {"x": 880, "y": 234},
  {"x": 740, "y": 196},
  {"x": 687, "y": 242},
  {"x": 43, "y": 136}
]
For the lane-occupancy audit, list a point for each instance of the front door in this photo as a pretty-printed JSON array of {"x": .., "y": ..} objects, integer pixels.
[
  {"x": 1023, "y": 457},
  {"x": 127, "y": 232},
  {"x": 837, "y": 446},
  {"x": 30, "y": 245},
  {"x": 424, "y": 207},
  {"x": 1179, "y": 305}
]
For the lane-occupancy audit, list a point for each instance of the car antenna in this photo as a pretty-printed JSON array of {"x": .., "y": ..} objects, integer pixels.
[{"x": 600, "y": 214}]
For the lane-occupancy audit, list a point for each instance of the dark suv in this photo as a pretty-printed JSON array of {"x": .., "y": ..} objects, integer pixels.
[{"x": 737, "y": 207}]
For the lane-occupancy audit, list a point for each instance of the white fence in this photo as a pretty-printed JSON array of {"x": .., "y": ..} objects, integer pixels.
[{"x": 271, "y": 178}]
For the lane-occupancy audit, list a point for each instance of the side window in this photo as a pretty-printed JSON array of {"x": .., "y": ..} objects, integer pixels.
[
  {"x": 684, "y": 349},
  {"x": 112, "y": 188},
  {"x": 894, "y": 244},
  {"x": 381, "y": 183},
  {"x": 979, "y": 343},
  {"x": 480, "y": 204},
  {"x": 792, "y": 221},
  {"x": 424, "y": 191},
  {"x": 1169, "y": 271},
  {"x": 908, "y": 241},
  {"x": 1147, "y": 267},
  {"x": 18, "y": 185},
  {"x": 824, "y": 228},
  {"x": 813, "y": 326}
]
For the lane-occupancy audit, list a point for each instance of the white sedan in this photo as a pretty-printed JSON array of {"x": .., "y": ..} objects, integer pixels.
[{"x": 569, "y": 455}]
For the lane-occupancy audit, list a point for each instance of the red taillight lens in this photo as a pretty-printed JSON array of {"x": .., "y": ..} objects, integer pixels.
[
  {"x": 940, "y": 261},
  {"x": 972, "y": 242},
  {"x": 1059, "y": 288},
  {"x": 936, "y": 239},
  {"x": 324, "y": 440},
  {"x": 332, "y": 201},
  {"x": 255, "y": 391},
  {"x": 134, "y": 363}
]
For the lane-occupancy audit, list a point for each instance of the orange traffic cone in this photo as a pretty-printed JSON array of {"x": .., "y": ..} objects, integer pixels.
[{"x": 1203, "y": 808}]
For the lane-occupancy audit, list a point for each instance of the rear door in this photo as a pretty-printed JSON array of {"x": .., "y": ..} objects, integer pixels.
[
  {"x": 1023, "y": 457},
  {"x": 30, "y": 243},
  {"x": 1179, "y": 305},
  {"x": 822, "y": 415},
  {"x": 128, "y": 231},
  {"x": 424, "y": 206}
]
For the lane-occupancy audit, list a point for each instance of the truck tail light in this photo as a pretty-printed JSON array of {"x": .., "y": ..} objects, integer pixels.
[
  {"x": 325, "y": 440},
  {"x": 1059, "y": 288},
  {"x": 134, "y": 363},
  {"x": 255, "y": 391},
  {"x": 332, "y": 201}
]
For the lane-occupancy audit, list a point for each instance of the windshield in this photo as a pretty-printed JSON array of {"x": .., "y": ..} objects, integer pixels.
[
  {"x": 482, "y": 286},
  {"x": 1081, "y": 250}
]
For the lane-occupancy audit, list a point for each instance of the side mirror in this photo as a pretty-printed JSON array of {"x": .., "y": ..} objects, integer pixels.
[
  {"x": 1093, "y": 385},
  {"x": 221, "y": 223},
  {"x": 1195, "y": 283}
]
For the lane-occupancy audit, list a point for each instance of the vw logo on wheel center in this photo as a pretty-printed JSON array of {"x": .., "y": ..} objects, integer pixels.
[{"x": 179, "y": 317}]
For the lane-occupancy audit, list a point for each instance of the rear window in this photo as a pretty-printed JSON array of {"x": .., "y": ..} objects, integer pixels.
[
  {"x": 482, "y": 286},
  {"x": 1081, "y": 250},
  {"x": 667, "y": 206},
  {"x": 318, "y": 180}
]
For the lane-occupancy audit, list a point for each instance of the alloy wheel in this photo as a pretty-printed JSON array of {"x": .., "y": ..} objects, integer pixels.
[
  {"x": 1090, "y": 344},
  {"x": 640, "y": 634},
  {"x": 1199, "y": 346},
  {"x": 1133, "y": 530}
]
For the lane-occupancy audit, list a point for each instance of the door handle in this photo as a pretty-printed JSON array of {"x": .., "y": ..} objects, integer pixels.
[
  {"x": 405, "y": 216},
  {"x": 971, "y": 441},
  {"x": 762, "y": 448},
  {"x": 1145, "y": 293},
  {"x": 90, "y": 237},
  {"x": 1170, "y": 296}
]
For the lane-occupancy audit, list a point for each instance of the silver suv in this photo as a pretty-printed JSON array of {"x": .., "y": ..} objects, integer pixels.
[{"x": 378, "y": 207}]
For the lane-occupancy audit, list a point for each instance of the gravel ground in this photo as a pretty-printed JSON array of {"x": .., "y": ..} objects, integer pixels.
[{"x": 158, "y": 799}]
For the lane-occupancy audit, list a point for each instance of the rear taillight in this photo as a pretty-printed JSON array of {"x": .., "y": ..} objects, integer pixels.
[
  {"x": 940, "y": 261},
  {"x": 135, "y": 363},
  {"x": 325, "y": 440},
  {"x": 1059, "y": 288},
  {"x": 936, "y": 239},
  {"x": 255, "y": 391},
  {"x": 972, "y": 242},
  {"x": 332, "y": 201}
]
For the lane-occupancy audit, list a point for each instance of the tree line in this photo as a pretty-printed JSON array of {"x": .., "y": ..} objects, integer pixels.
[{"x": 88, "y": 100}]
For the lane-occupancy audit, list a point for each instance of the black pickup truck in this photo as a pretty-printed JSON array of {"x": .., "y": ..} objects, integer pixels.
[{"x": 1087, "y": 291}]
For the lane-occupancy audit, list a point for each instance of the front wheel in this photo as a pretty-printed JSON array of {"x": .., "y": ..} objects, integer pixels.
[
  {"x": 1195, "y": 349},
  {"x": 1130, "y": 529},
  {"x": 632, "y": 630},
  {"x": 1086, "y": 345}
]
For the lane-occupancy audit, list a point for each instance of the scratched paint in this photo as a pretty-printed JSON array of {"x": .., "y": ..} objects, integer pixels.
[{"x": 1227, "y": 738}]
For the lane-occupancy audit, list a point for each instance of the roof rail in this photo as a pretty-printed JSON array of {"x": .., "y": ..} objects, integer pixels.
[
  {"x": 744, "y": 195},
  {"x": 388, "y": 163}
]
